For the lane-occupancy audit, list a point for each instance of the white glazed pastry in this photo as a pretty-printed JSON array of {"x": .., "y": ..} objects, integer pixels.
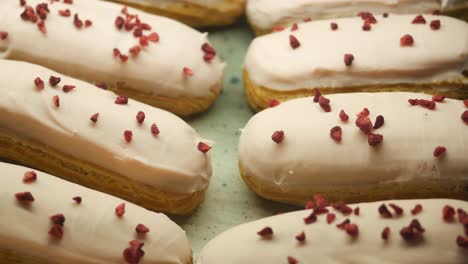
[
  {"x": 195, "y": 13},
  {"x": 153, "y": 59},
  {"x": 98, "y": 139},
  {"x": 265, "y": 15},
  {"x": 358, "y": 147},
  {"x": 49, "y": 220},
  {"x": 434, "y": 233},
  {"x": 360, "y": 54}
]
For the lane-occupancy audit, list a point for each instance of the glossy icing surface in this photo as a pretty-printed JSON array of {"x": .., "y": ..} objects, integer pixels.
[
  {"x": 87, "y": 53},
  {"x": 325, "y": 243},
  {"x": 378, "y": 57},
  {"x": 266, "y": 14},
  {"x": 170, "y": 160},
  {"x": 308, "y": 156},
  {"x": 92, "y": 231}
]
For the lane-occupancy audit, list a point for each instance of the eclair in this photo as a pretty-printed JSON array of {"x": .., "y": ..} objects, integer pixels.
[
  {"x": 95, "y": 138},
  {"x": 266, "y": 15},
  {"x": 195, "y": 13},
  {"x": 48, "y": 220},
  {"x": 358, "y": 147},
  {"x": 390, "y": 231},
  {"x": 152, "y": 59},
  {"x": 411, "y": 53}
]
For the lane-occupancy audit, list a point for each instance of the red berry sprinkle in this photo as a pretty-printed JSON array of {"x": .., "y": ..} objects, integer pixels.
[
  {"x": 348, "y": 59},
  {"x": 120, "y": 210},
  {"x": 439, "y": 151},
  {"x": 294, "y": 27},
  {"x": 39, "y": 83},
  {"x": 438, "y": 98},
  {"x": 312, "y": 218},
  {"x": 77, "y": 21},
  {"x": 301, "y": 237},
  {"x": 419, "y": 20},
  {"x": 406, "y": 40},
  {"x": 128, "y": 136},
  {"x": 144, "y": 41},
  {"x": 123, "y": 58},
  {"x": 41, "y": 26},
  {"x": 343, "y": 116},
  {"x": 465, "y": 103},
  {"x": 342, "y": 207},
  {"x": 77, "y": 199},
  {"x": 22, "y": 2},
  {"x": 135, "y": 50},
  {"x": 384, "y": 212},
  {"x": 266, "y": 232},
  {"x": 64, "y": 13},
  {"x": 209, "y": 51},
  {"x": 29, "y": 176},
  {"x": 431, "y": 105},
  {"x": 324, "y": 103},
  {"x": 435, "y": 24},
  {"x": 294, "y": 42},
  {"x": 417, "y": 209},
  {"x": 386, "y": 233},
  {"x": 56, "y": 231},
  {"x": 122, "y": 100},
  {"x": 379, "y": 122},
  {"x": 333, "y": 26},
  {"x": 448, "y": 213},
  {"x": 317, "y": 95},
  {"x": 134, "y": 253},
  {"x": 154, "y": 129},
  {"x": 94, "y": 118},
  {"x": 54, "y": 80},
  {"x": 140, "y": 117},
  {"x": 119, "y": 22},
  {"x": 398, "y": 210},
  {"x": 366, "y": 26},
  {"x": 68, "y": 1},
  {"x": 278, "y": 136},
  {"x": 154, "y": 37},
  {"x": 203, "y": 147},
  {"x": 374, "y": 139},
  {"x": 330, "y": 218},
  {"x": 352, "y": 229},
  {"x": 364, "y": 124},
  {"x": 343, "y": 224},
  {"x": 357, "y": 211},
  {"x": 58, "y": 219},
  {"x": 88, "y": 23},
  {"x": 273, "y": 103},
  {"x": 24, "y": 197},
  {"x": 116, "y": 52},
  {"x": 141, "y": 229},
  {"x": 464, "y": 116},
  {"x": 292, "y": 260},
  {"x": 336, "y": 133},
  {"x": 188, "y": 72},
  {"x": 68, "y": 88},
  {"x": 3, "y": 35},
  {"x": 56, "y": 100},
  {"x": 413, "y": 231},
  {"x": 365, "y": 112},
  {"x": 462, "y": 242}
]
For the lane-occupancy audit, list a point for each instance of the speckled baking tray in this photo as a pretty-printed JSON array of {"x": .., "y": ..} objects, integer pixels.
[{"x": 229, "y": 201}]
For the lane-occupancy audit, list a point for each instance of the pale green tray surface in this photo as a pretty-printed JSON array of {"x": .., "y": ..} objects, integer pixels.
[{"x": 229, "y": 202}]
